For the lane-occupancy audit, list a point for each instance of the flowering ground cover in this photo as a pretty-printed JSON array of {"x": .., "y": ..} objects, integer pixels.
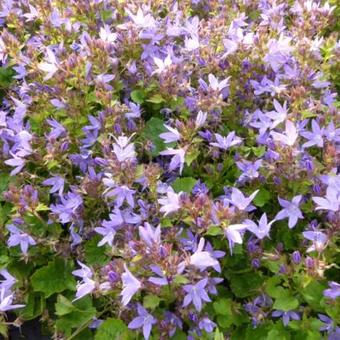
[{"x": 170, "y": 169}]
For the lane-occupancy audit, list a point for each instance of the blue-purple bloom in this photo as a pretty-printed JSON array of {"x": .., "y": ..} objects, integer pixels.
[
  {"x": 130, "y": 286},
  {"x": 143, "y": 320},
  {"x": 333, "y": 291},
  {"x": 196, "y": 294},
  {"x": 290, "y": 210}
]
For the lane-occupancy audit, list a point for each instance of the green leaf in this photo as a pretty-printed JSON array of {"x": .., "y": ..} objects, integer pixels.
[
  {"x": 94, "y": 254},
  {"x": 156, "y": 99},
  {"x": 6, "y": 76},
  {"x": 223, "y": 306},
  {"x": 218, "y": 335},
  {"x": 34, "y": 306},
  {"x": 191, "y": 156},
  {"x": 286, "y": 302},
  {"x": 112, "y": 329},
  {"x": 244, "y": 285},
  {"x": 54, "y": 278},
  {"x": 63, "y": 306},
  {"x": 3, "y": 329},
  {"x": 138, "y": 96},
  {"x": 262, "y": 197},
  {"x": 5, "y": 213},
  {"x": 151, "y": 301},
  {"x": 313, "y": 295},
  {"x": 214, "y": 231},
  {"x": 4, "y": 181},
  {"x": 184, "y": 184},
  {"x": 153, "y": 128}
]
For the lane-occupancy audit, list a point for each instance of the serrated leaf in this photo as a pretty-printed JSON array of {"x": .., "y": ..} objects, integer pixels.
[
  {"x": 184, "y": 184},
  {"x": 54, "y": 278},
  {"x": 63, "y": 306},
  {"x": 156, "y": 99},
  {"x": 138, "y": 96},
  {"x": 214, "y": 231},
  {"x": 223, "y": 306},
  {"x": 94, "y": 254},
  {"x": 112, "y": 329},
  {"x": 34, "y": 306},
  {"x": 262, "y": 197},
  {"x": 151, "y": 301},
  {"x": 286, "y": 302},
  {"x": 153, "y": 128}
]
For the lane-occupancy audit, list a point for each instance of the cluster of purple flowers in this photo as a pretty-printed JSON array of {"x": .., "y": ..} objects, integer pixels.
[{"x": 180, "y": 137}]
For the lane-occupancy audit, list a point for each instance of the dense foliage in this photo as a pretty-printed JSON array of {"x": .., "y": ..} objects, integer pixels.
[{"x": 170, "y": 169}]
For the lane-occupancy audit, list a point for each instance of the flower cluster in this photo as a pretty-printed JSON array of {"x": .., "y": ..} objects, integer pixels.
[{"x": 171, "y": 169}]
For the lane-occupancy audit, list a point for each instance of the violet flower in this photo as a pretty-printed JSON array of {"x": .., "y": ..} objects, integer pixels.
[
  {"x": 130, "y": 286},
  {"x": 18, "y": 237},
  {"x": 226, "y": 142},
  {"x": 172, "y": 136},
  {"x": 143, "y": 320},
  {"x": 319, "y": 239},
  {"x": 315, "y": 137},
  {"x": 262, "y": 229},
  {"x": 170, "y": 203},
  {"x": 286, "y": 316},
  {"x": 333, "y": 291},
  {"x": 196, "y": 294},
  {"x": 290, "y": 210},
  {"x": 6, "y": 299}
]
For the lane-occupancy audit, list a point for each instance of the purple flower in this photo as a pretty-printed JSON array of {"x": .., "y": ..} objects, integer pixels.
[
  {"x": 226, "y": 142},
  {"x": 196, "y": 294},
  {"x": 84, "y": 272},
  {"x": 108, "y": 232},
  {"x": 178, "y": 159},
  {"x": 329, "y": 325},
  {"x": 315, "y": 137},
  {"x": 8, "y": 281},
  {"x": 18, "y": 237},
  {"x": 170, "y": 203},
  {"x": 290, "y": 136},
  {"x": 50, "y": 66},
  {"x": 67, "y": 210},
  {"x": 249, "y": 169},
  {"x": 200, "y": 119},
  {"x": 240, "y": 201},
  {"x": 85, "y": 287},
  {"x": 122, "y": 193},
  {"x": 17, "y": 162},
  {"x": 57, "y": 184},
  {"x": 123, "y": 149},
  {"x": 161, "y": 280},
  {"x": 149, "y": 234},
  {"x": 279, "y": 115},
  {"x": 172, "y": 136},
  {"x": 202, "y": 259},
  {"x": 331, "y": 133},
  {"x": 296, "y": 257},
  {"x": 262, "y": 229},
  {"x": 333, "y": 291},
  {"x": 57, "y": 129},
  {"x": 6, "y": 299},
  {"x": 143, "y": 320},
  {"x": 135, "y": 111},
  {"x": 207, "y": 324},
  {"x": 130, "y": 286},
  {"x": 319, "y": 239},
  {"x": 330, "y": 202},
  {"x": 290, "y": 210},
  {"x": 286, "y": 316},
  {"x": 234, "y": 234}
]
